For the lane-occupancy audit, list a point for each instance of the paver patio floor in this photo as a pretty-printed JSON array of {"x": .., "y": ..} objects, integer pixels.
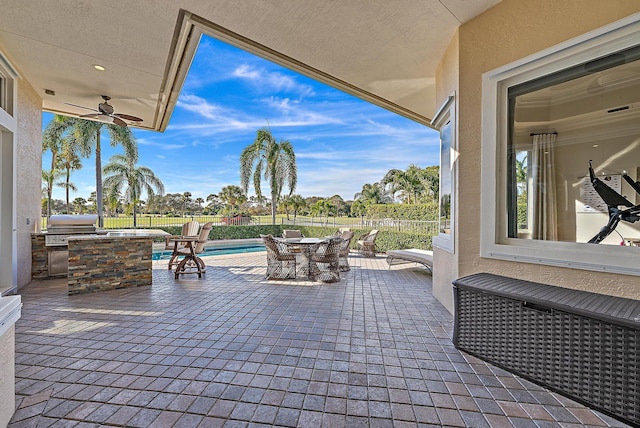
[{"x": 233, "y": 349}]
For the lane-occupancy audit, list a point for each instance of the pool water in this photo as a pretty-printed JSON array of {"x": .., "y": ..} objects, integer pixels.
[{"x": 213, "y": 251}]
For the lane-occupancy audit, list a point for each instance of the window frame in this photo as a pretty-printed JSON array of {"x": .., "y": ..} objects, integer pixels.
[
  {"x": 446, "y": 114},
  {"x": 494, "y": 241},
  {"x": 8, "y": 89}
]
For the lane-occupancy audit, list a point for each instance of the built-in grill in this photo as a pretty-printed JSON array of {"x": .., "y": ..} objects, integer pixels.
[{"x": 60, "y": 227}]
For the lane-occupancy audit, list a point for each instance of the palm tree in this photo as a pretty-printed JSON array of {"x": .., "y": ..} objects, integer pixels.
[
  {"x": 122, "y": 173},
  {"x": 273, "y": 161},
  {"x": 186, "y": 196},
  {"x": 430, "y": 179},
  {"x": 521, "y": 175},
  {"x": 233, "y": 197},
  {"x": 52, "y": 140},
  {"x": 48, "y": 179},
  {"x": 405, "y": 183},
  {"x": 79, "y": 204},
  {"x": 373, "y": 194},
  {"x": 297, "y": 203},
  {"x": 113, "y": 200},
  {"x": 199, "y": 201},
  {"x": 88, "y": 136},
  {"x": 287, "y": 204},
  {"x": 69, "y": 161},
  {"x": 359, "y": 208}
]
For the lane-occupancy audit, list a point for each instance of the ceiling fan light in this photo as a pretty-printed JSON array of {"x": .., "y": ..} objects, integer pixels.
[{"x": 98, "y": 67}]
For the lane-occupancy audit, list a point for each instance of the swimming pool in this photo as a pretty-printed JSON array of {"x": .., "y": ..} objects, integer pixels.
[{"x": 214, "y": 251}]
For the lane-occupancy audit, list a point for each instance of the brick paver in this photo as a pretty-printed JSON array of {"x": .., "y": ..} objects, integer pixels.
[{"x": 233, "y": 349}]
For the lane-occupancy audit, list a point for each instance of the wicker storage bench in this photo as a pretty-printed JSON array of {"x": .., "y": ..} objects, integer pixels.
[{"x": 583, "y": 345}]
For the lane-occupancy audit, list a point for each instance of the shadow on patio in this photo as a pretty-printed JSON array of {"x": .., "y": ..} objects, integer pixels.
[{"x": 235, "y": 350}]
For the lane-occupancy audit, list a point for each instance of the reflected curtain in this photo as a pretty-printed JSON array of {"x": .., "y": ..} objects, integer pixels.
[{"x": 545, "y": 219}]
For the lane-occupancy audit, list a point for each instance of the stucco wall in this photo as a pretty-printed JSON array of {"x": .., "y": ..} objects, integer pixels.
[
  {"x": 28, "y": 175},
  {"x": 507, "y": 32}
]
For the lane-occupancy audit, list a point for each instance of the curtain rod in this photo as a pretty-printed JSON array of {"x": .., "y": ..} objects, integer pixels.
[{"x": 542, "y": 133}]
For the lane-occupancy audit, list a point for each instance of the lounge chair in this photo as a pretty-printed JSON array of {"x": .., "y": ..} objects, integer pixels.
[
  {"x": 190, "y": 228},
  {"x": 411, "y": 255},
  {"x": 367, "y": 244},
  {"x": 344, "y": 250},
  {"x": 325, "y": 260},
  {"x": 191, "y": 263},
  {"x": 281, "y": 263}
]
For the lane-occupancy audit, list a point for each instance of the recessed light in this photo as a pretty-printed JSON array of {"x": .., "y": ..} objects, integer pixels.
[
  {"x": 595, "y": 145},
  {"x": 98, "y": 67}
]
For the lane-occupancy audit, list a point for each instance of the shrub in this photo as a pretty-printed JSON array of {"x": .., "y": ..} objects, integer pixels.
[
  {"x": 386, "y": 240},
  {"x": 427, "y": 212}
]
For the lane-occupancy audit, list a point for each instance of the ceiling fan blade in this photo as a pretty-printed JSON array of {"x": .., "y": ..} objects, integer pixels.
[
  {"x": 76, "y": 105},
  {"x": 128, "y": 117},
  {"x": 118, "y": 121},
  {"x": 92, "y": 115}
]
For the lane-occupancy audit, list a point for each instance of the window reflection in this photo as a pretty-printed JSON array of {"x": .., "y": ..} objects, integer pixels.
[{"x": 558, "y": 124}]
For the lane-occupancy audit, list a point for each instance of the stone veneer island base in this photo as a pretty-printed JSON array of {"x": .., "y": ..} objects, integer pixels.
[{"x": 106, "y": 263}]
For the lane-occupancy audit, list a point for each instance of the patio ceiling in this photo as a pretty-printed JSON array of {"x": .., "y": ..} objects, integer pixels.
[{"x": 384, "y": 52}]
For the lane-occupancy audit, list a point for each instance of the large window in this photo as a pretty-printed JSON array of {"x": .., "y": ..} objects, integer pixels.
[{"x": 560, "y": 121}]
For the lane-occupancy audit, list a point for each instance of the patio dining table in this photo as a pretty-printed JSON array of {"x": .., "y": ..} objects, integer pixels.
[{"x": 305, "y": 246}]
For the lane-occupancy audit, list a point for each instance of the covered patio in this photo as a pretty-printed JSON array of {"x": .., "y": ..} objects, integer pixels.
[{"x": 233, "y": 349}]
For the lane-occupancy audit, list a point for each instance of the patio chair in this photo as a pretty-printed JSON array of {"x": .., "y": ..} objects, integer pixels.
[
  {"x": 325, "y": 260},
  {"x": 191, "y": 263},
  {"x": 344, "y": 251},
  {"x": 367, "y": 244},
  {"x": 190, "y": 228},
  {"x": 281, "y": 263},
  {"x": 292, "y": 233}
]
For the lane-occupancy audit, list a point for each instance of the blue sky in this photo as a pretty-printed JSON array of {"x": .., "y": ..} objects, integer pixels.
[{"x": 340, "y": 141}]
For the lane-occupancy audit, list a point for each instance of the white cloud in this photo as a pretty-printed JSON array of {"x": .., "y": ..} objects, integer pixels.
[
  {"x": 246, "y": 72},
  {"x": 270, "y": 81},
  {"x": 196, "y": 104}
]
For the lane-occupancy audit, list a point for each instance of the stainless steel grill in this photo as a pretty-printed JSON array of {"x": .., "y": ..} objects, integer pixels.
[{"x": 60, "y": 227}]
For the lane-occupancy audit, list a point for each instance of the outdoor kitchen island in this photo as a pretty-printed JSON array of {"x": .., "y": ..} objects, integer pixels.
[
  {"x": 100, "y": 263},
  {"x": 92, "y": 259}
]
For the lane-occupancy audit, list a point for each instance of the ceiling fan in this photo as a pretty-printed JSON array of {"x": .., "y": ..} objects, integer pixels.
[{"x": 106, "y": 109}]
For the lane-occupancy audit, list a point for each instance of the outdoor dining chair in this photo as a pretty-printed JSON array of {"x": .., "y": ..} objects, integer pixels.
[
  {"x": 292, "y": 234},
  {"x": 191, "y": 263},
  {"x": 367, "y": 244},
  {"x": 190, "y": 228},
  {"x": 344, "y": 250},
  {"x": 324, "y": 260},
  {"x": 281, "y": 263}
]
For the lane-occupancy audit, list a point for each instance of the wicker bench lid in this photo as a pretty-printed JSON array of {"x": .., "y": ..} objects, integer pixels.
[{"x": 613, "y": 309}]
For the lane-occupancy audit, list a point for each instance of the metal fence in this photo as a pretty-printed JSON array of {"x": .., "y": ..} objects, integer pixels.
[
  {"x": 151, "y": 222},
  {"x": 417, "y": 226}
]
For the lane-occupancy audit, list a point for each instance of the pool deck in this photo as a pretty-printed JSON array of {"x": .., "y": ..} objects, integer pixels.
[{"x": 235, "y": 350}]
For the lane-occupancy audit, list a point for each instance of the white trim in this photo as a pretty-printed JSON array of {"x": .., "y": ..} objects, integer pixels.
[
  {"x": 10, "y": 311},
  {"x": 447, "y": 113},
  {"x": 8, "y": 178},
  {"x": 494, "y": 243}
]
